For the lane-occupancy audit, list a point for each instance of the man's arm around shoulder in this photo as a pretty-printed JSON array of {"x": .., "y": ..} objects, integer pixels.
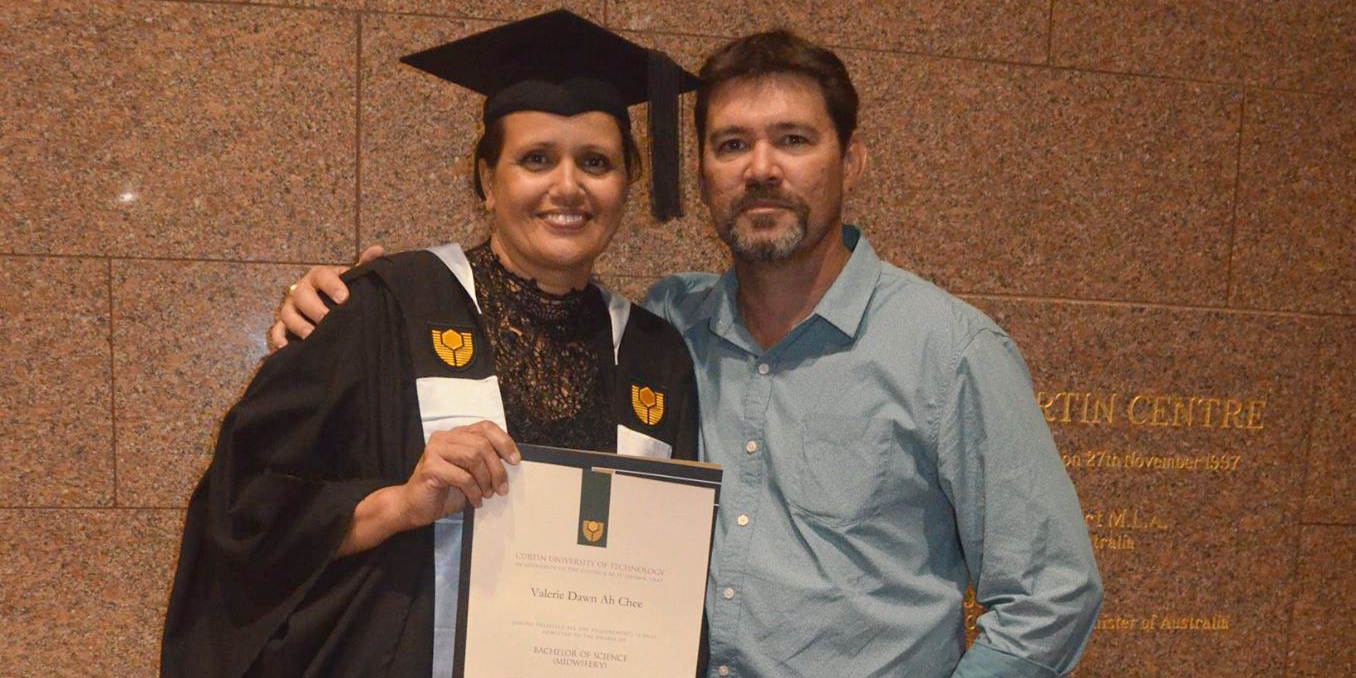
[{"x": 675, "y": 295}]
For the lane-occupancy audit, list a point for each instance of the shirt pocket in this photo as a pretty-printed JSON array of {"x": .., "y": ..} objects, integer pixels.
[{"x": 838, "y": 477}]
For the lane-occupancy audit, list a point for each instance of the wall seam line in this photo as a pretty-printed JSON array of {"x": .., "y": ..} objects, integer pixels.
[
  {"x": 112, "y": 384},
  {"x": 124, "y": 507},
  {"x": 1297, "y": 539},
  {"x": 1238, "y": 173},
  {"x": 1152, "y": 305},
  {"x": 190, "y": 260},
  {"x": 265, "y": 5},
  {"x": 1050, "y": 35},
  {"x": 358, "y": 135}
]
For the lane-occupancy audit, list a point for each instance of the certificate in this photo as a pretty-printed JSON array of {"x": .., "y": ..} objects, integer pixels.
[{"x": 592, "y": 565}]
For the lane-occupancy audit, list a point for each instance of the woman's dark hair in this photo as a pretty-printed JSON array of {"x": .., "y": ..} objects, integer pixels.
[
  {"x": 491, "y": 144},
  {"x": 771, "y": 53}
]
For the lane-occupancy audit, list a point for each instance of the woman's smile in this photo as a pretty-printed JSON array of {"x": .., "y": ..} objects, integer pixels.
[
  {"x": 566, "y": 220},
  {"x": 558, "y": 193}
]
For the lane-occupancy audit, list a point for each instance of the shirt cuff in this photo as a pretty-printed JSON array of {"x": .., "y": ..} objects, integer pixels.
[{"x": 982, "y": 661}]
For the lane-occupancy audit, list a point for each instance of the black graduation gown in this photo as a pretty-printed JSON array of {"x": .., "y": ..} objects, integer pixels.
[{"x": 325, "y": 422}]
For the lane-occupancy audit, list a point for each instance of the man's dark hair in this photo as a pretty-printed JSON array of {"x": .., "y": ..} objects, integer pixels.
[{"x": 776, "y": 52}]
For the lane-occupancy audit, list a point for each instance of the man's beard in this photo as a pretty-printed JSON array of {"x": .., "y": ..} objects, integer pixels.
[{"x": 744, "y": 244}]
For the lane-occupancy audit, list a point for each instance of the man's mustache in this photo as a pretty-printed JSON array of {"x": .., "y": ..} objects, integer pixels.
[{"x": 769, "y": 196}]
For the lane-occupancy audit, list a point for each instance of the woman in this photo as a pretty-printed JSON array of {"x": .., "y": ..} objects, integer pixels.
[{"x": 323, "y": 541}]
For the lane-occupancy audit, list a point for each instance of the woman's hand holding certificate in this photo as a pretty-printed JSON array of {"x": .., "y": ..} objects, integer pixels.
[{"x": 465, "y": 464}]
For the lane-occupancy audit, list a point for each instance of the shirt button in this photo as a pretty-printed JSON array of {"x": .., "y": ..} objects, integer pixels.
[
  {"x": 728, "y": 593},
  {"x": 751, "y": 446},
  {"x": 762, "y": 369},
  {"x": 723, "y": 670},
  {"x": 742, "y": 520}
]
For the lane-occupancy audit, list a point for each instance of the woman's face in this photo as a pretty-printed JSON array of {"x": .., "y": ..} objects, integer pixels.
[{"x": 557, "y": 192}]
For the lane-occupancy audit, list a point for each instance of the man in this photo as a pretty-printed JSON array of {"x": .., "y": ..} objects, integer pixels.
[{"x": 881, "y": 447}]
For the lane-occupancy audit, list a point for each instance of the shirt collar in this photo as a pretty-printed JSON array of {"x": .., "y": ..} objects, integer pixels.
[
  {"x": 719, "y": 307},
  {"x": 842, "y": 305}
]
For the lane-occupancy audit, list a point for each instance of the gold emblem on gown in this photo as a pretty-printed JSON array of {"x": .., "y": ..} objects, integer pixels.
[
  {"x": 648, "y": 404},
  {"x": 454, "y": 347}
]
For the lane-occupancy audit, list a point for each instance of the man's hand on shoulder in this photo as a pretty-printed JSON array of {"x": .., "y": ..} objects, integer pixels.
[{"x": 302, "y": 307}]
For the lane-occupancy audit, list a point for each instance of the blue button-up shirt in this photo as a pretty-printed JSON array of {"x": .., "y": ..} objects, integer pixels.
[{"x": 880, "y": 457}]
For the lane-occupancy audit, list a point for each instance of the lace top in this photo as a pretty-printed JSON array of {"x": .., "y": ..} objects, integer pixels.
[{"x": 552, "y": 354}]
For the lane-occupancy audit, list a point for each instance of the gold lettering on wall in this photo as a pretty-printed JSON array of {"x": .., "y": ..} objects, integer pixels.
[
  {"x": 1131, "y": 411},
  {"x": 1176, "y": 621},
  {"x": 1164, "y": 410},
  {"x": 1167, "y": 621},
  {"x": 1078, "y": 407},
  {"x": 1116, "y": 622},
  {"x": 1121, "y": 520},
  {"x": 1120, "y": 542},
  {"x": 1125, "y": 519},
  {"x": 1137, "y": 461}
]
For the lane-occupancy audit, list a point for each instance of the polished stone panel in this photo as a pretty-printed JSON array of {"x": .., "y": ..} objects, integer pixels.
[
  {"x": 1200, "y": 39},
  {"x": 490, "y": 9},
  {"x": 187, "y": 337},
  {"x": 1331, "y": 486},
  {"x": 1013, "y": 30},
  {"x": 345, "y": 5},
  {"x": 56, "y": 422},
  {"x": 207, "y": 130},
  {"x": 418, "y": 133},
  {"x": 85, "y": 590},
  {"x": 1320, "y": 636},
  {"x": 1013, "y": 179},
  {"x": 1308, "y": 45},
  {"x": 1183, "y": 432},
  {"x": 1294, "y": 247},
  {"x": 629, "y": 286}
]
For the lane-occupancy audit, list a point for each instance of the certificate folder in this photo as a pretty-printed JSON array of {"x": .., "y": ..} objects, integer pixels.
[{"x": 594, "y": 564}]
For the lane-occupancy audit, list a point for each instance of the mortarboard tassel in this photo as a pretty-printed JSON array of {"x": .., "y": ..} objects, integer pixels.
[{"x": 665, "y": 196}]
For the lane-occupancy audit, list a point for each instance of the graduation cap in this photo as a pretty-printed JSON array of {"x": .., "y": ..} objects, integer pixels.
[{"x": 561, "y": 63}]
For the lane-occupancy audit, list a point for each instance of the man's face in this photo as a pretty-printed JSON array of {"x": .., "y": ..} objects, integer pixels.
[{"x": 773, "y": 171}]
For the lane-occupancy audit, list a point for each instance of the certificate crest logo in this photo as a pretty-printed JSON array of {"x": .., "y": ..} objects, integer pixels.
[
  {"x": 595, "y": 502},
  {"x": 453, "y": 346},
  {"x": 648, "y": 404},
  {"x": 593, "y": 530}
]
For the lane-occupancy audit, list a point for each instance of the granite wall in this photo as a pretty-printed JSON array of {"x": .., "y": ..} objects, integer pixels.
[{"x": 1156, "y": 198}]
